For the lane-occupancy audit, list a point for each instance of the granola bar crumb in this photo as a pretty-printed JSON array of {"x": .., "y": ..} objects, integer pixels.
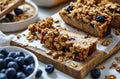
[
  {"x": 117, "y": 59},
  {"x": 56, "y": 20},
  {"x": 102, "y": 67},
  {"x": 110, "y": 77},
  {"x": 74, "y": 65}
]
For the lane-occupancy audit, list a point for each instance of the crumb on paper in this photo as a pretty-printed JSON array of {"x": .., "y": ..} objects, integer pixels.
[
  {"x": 74, "y": 65},
  {"x": 49, "y": 52},
  {"x": 25, "y": 44},
  {"x": 18, "y": 36},
  {"x": 102, "y": 67},
  {"x": 56, "y": 20},
  {"x": 114, "y": 65},
  {"x": 110, "y": 77},
  {"x": 105, "y": 42},
  {"x": 117, "y": 59}
]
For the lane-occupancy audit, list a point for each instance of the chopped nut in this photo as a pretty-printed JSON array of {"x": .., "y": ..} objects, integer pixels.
[
  {"x": 110, "y": 77},
  {"x": 114, "y": 64},
  {"x": 60, "y": 58},
  {"x": 60, "y": 53},
  {"x": 106, "y": 42}
]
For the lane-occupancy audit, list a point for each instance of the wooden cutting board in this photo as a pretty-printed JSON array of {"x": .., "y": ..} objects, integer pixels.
[{"x": 78, "y": 72}]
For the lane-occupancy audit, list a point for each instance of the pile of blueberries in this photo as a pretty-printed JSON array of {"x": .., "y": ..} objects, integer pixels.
[
  {"x": 17, "y": 11},
  {"x": 17, "y": 65}
]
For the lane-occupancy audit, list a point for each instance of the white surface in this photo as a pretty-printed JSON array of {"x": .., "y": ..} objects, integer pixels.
[
  {"x": 17, "y": 49},
  {"x": 20, "y": 25},
  {"x": 45, "y": 12}
]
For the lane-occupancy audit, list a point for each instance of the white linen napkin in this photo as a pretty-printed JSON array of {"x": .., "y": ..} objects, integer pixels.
[{"x": 5, "y": 39}]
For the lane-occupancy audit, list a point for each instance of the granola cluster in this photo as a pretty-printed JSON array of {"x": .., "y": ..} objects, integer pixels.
[
  {"x": 65, "y": 43},
  {"x": 5, "y": 3}
]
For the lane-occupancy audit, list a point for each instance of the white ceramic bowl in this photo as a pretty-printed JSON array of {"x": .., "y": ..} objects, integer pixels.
[
  {"x": 16, "y": 49},
  {"x": 20, "y": 25}
]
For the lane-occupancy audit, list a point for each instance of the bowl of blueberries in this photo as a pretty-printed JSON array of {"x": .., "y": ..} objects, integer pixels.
[
  {"x": 18, "y": 63},
  {"x": 19, "y": 18}
]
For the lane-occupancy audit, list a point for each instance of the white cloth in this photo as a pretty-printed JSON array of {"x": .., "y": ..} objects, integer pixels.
[{"x": 5, "y": 39}]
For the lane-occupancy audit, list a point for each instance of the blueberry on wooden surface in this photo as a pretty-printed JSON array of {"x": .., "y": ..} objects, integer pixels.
[
  {"x": 13, "y": 64},
  {"x": 11, "y": 73},
  {"x": 3, "y": 76},
  {"x": 18, "y": 11},
  {"x": 38, "y": 73},
  {"x": 10, "y": 16},
  {"x": 100, "y": 19},
  {"x": 49, "y": 68},
  {"x": 20, "y": 75},
  {"x": 95, "y": 73}
]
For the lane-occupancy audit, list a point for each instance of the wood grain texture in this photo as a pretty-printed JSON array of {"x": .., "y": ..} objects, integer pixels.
[
  {"x": 9, "y": 9},
  {"x": 78, "y": 73}
]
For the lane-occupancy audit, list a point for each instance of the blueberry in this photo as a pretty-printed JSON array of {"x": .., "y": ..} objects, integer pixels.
[
  {"x": 76, "y": 53},
  {"x": 2, "y": 63},
  {"x": 11, "y": 73},
  {"x": 20, "y": 75},
  {"x": 18, "y": 11},
  {"x": 29, "y": 69},
  {"x": 49, "y": 68},
  {"x": 19, "y": 60},
  {"x": 2, "y": 71},
  {"x": 10, "y": 16},
  {"x": 69, "y": 8},
  {"x": 18, "y": 54},
  {"x": 8, "y": 59},
  {"x": 12, "y": 54},
  {"x": 100, "y": 19},
  {"x": 2, "y": 56},
  {"x": 12, "y": 64},
  {"x": 3, "y": 76},
  {"x": 95, "y": 73},
  {"x": 71, "y": 39},
  {"x": 4, "y": 52},
  {"x": 29, "y": 59},
  {"x": 38, "y": 73}
]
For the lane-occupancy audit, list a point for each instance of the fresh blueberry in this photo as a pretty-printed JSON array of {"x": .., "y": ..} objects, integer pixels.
[
  {"x": 76, "y": 53},
  {"x": 100, "y": 19},
  {"x": 71, "y": 39},
  {"x": 12, "y": 64},
  {"x": 29, "y": 59},
  {"x": 20, "y": 75},
  {"x": 49, "y": 68},
  {"x": 18, "y": 54},
  {"x": 11, "y": 73},
  {"x": 95, "y": 73},
  {"x": 4, "y": 52},
  {"x": 12, "y": 54},
  {"x": 69, "y": 8},
  {"x": 3, "y": 76},
  {"x": 2, "y": 56},
  {"x": 2, "y": 63},
  {"x": 38, "y": 73},
  {"x": 19, "y": 60},
  {"x": 8, "y": 59},
  {"x": 18, "y": 11},
  {"x": 10, "y": 16},
  {"x": 2, "y": 71},
  {"x": 29, "y": 69}
]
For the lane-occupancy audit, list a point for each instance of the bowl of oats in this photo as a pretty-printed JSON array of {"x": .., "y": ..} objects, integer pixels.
[{"x": 19, "y": 18}]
